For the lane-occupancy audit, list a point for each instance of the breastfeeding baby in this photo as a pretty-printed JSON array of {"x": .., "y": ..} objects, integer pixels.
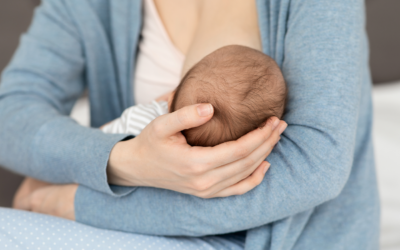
[{"x": 244, "y": 86}]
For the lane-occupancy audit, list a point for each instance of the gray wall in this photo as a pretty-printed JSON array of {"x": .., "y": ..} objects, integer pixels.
[
  {"x": 382, "y": 26},
  {"x": 15, "y": 16},
  {"x": 383, "y": 21}
]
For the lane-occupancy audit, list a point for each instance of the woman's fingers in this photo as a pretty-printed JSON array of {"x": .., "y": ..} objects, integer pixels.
[
  {"x": 22, "y": 203},
  {"x": 56, "y": 200},
  {"x": 250, "y": 162},
  {"x": 228, "y": 152},
  {"x": 225, "y": 176},
  {"x": 245, "y": 185},
  {"x": 27, "y": 187},
  {"x": 184, "y": 118}
]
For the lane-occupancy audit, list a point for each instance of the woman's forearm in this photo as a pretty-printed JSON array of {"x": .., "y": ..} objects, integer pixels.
[
  {"x": 37, "y": 92},
  {"x": 51, "y": 147}
]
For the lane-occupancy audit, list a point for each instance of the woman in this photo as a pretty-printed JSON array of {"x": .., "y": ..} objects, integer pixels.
[{"x": 321, "y": 189}]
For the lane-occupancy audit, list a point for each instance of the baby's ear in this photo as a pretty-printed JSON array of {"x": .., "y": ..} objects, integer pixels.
[{"x": 170, "y": 98}]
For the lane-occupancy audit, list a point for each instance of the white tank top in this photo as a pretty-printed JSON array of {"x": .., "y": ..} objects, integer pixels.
[{"x": 159, "y": 62}]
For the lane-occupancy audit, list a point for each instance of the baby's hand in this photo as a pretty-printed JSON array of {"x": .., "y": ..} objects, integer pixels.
[
  {"x": 167, "y": 98},
  {"x": 104, "y": 125}
]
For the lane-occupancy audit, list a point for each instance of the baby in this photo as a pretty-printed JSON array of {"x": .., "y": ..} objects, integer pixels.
[{"x": 244, "y": 86}]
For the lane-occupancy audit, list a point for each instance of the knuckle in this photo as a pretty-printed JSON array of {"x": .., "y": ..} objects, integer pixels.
[
  {"x": 241, "y": 152},
  {"x": 254, "y": 182},
  {"x": 267, "y": 134},
  {"x": 249, "y": 162},
  {"x": 196, "y": 169},
  {"x": 35, "y": 202},
  {"x": 207, "y": 165},
  {"x": 183, "y": 117},
  {"x": 157, "y": 128},
  {"x": 274, "y": 138},
  {"x": 201, "y": 185},
  {"x": 207, "y": 196},
  {"x": 203, "y": 195},
  {"x": 195, "y": 185},
  {"x": 257, "y": 181},
  {"x": 276, "y": 134}
]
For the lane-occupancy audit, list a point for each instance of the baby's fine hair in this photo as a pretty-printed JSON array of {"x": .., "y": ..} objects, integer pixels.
[{"x": 245, "y": 87}]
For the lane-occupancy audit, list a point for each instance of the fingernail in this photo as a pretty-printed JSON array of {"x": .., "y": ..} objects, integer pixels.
[
  {"x": 204, "y": 110},
  {"x": 275, "y": 123},
  {"x": 282, "y": 128},
  {"x": 266, "y": 167}
]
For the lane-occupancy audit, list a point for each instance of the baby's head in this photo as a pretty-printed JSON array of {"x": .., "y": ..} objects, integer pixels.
[{"x": 244, "y": 86}]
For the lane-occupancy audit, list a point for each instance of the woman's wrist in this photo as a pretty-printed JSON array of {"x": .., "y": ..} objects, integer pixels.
[{"x": 120, "y": 162}]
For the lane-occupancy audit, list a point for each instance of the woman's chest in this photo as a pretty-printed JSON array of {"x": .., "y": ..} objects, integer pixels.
[{"x": 198, "y": 27}]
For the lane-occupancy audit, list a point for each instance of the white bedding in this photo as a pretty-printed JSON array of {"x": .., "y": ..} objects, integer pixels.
[{"x": 387, "y": 152}]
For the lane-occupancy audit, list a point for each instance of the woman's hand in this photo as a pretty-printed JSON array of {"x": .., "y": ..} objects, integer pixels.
[
  {"x": 42, "y": 197},
  {"x": 160, "y": 157}
]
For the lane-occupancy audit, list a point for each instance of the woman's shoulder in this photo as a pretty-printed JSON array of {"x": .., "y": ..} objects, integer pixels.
[{"x": 95, "y": 10}]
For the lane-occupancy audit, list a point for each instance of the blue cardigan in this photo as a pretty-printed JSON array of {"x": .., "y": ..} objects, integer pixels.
[{"x": 321, "y": 190}]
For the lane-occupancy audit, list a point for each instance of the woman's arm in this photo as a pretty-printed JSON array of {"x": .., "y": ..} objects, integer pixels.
[
  {"x": 37, "y": 92},
  {"x": 325, "y": 61},
  {"x": 38, "y": 139}
]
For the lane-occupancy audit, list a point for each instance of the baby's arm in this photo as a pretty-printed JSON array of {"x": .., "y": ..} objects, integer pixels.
[{"x": 134, "y": 119}]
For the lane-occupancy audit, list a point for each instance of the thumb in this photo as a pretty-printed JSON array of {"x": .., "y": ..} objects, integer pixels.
[{"x": 185, "y": 118}]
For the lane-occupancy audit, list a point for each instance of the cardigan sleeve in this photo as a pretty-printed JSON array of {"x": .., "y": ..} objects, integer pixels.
[
  {"x": 37, "y": 92},
  {"x": 325, "y": 65}
]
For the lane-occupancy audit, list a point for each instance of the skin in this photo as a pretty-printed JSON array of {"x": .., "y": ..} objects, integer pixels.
[
  {"x": 42, "y": 197},
  {"x": 155, "y": 158},
  {"x": 198, "y": 27}
]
